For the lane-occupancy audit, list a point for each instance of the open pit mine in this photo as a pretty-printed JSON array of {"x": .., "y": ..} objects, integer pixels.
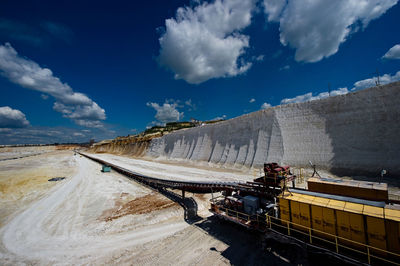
[{"x": 216, "y": 194}]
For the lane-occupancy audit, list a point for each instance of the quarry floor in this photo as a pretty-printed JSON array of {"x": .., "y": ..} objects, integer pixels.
[{"x": 92, "y": 217}]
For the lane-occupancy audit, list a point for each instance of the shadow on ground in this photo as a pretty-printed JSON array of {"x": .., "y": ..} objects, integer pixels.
[
  {"x": 245, "y": 247},
  {"x": 188, "y": 204}
]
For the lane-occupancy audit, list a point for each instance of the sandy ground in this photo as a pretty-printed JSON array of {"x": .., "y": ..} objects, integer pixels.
[
  {"x": 104, "y": 218},
  {"x": 8, "y": 153}
]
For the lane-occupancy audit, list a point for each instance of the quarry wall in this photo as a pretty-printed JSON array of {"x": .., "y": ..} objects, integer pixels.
[
  {"x": 356, "y": 133},
  {"x": 131, "y": 149}
]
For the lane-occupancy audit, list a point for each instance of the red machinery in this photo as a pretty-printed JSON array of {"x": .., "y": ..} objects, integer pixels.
[{"x": 274, "y": 174}]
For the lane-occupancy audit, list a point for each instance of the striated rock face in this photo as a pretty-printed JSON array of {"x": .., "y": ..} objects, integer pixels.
[
  {"x": 354, "y": 133},
  {"x": 123, "y": 148}
]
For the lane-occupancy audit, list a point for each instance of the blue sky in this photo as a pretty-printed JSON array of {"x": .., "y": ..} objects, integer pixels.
[{"x": 71, "y": 71}]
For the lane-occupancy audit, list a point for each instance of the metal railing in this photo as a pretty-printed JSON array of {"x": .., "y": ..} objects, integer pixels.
[
  {"x": 313, "y": 235},
  {"x": 395, "y": 197},
  {"x": 250, "y": 220}
]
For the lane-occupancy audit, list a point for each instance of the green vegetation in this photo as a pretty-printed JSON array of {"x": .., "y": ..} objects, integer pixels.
[
  {"x": 157, "y": 131},
  {"x": 169, "y": 127}
]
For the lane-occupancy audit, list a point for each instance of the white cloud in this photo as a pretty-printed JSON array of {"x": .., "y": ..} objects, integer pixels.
[
  {"x": 204, "y": 42},
  {"x": 309, "y": 96},
  {"x": 274, "y": 8},
  {"x": 80, "y": 112},
  {"x": 44, "y": 96},
  {"x": 167, "y": 112},
  {"x": 252, "y": 100},
  {"x": 28, "y": 74},
  {"x": 12, "y": 118},
  {"x": 191, "y": 105},
  {"x": 260, "y": 58},
  {"x": 286, "y": 67},
  {"x": 317, "y": 28},
  {"x": 78, "y": 134},
  {"x": 265, "y": 105},
  {"x": 362, "y": 84},
  {"x": 223, "y": 117},
  {"x": 371, "y": 82},
  {"x": 189, "y": 102},
  {"x": 393, "y": 53},
  {"x": 89, "y": 123}
]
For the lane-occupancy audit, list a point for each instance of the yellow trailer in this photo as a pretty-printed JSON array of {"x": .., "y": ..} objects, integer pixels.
[
  {"x": 375, "y": 227},
  {"x": 354, "y": 222},
  {"x": 349, "y": 188},
  {"x": 323, "y": 218},
  {"x": 392, "y": 226}
]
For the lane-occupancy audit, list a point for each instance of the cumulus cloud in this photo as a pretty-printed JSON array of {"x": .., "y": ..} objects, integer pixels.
[
  {"x": 273, "y": 9},
  {"x": 309, "y": 96},
  {"x": 12, "y": 118},
  {"x": 91, "y": 112},
  {"x": 393, "y": 53},
  {"x": 167, "y": 112},
  {"x": 205, "y": 42},
  {"x": 371, "y": 82},
  {"x": 28, "y": 74},
  {"x": 252, "y": 100},
  {"x": 317, "y": 28},
  {"x": 265, "y": 105}
]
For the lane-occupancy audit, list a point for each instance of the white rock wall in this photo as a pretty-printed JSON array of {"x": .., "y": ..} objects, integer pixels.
[{"x": 358, "y": 132}]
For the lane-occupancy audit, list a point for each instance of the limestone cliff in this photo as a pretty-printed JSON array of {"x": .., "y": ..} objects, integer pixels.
[{"x": 354, "y": 133}]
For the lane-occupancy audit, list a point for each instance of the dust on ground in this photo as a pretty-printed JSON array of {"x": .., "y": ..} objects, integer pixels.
[{"x": 146, "y": 204}]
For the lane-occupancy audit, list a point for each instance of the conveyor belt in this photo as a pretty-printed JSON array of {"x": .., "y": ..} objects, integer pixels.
[{"x": 189, "y": 186}]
